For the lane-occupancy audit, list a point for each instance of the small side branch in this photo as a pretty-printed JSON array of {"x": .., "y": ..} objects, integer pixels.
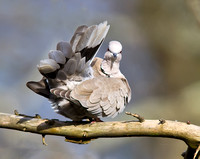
[
  {"x": 43, "y": 140},
  {"x": 141, "y": 119},
  {"x": 196, "y": 154},
  {"x": 191, "y": 153}
]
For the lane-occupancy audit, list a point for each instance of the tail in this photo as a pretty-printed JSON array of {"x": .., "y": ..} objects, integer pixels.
[
  {"x": 40, "y": 87},
  {"x": 70, "y": 58}
]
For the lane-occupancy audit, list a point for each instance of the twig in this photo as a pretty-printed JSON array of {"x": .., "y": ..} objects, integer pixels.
[
  {"x": 43, "y": 140},
  {"x": 197, "y": 151},
  {"x": 191, "y": 153},
  {"x": 141, "y": 119}
]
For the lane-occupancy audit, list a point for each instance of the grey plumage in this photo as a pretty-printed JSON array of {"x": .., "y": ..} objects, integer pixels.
[
  {"x": 65, "y": 48},
  {"x": 57, "y": 56},
  {"x": 80, "y": 86}
]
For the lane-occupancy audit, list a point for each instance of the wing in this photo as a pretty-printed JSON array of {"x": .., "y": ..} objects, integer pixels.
[{"x": 100, "y": 96}]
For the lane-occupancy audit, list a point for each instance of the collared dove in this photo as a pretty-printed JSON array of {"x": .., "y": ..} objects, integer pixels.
[{"x": 80, "y": 85}]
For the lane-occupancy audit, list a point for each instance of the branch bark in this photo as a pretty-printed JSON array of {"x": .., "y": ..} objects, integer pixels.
[{"x": 84, "y": 132}]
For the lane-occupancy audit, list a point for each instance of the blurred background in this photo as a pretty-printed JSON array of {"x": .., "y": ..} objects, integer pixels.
[{"x": 161, "y": 60}]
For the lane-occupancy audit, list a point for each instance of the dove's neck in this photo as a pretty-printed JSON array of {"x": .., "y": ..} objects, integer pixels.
[{"x": 111, "y": 68}]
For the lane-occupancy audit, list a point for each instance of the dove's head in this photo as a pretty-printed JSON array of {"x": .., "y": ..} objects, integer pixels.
[{"x": 114, "y": 51}]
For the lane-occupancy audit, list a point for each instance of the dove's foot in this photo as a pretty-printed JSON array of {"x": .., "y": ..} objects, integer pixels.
[{"x": 94, "y": 120}]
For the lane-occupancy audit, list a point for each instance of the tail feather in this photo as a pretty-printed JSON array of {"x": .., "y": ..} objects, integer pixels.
[
  {"x": 47, "y": 66},
  {"x": 81, "y": 65},
  {"x": 74, "y": 58},
  {"x": 95, "y": 41},
  {"x": 61, "y": 75},
  {"x": 84, "y": 41},
  {"x": 57, "y": 56},
  {"x": 101, "y": 33},
  {"x": 77, "y": 35},
  {"x": 65, "y": 48},
  {"x": 70, "y": 66},
  {"x": 40, "y": 87}
]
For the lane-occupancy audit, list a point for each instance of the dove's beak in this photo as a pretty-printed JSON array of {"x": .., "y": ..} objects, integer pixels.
[{"x": 114, "y": 55}]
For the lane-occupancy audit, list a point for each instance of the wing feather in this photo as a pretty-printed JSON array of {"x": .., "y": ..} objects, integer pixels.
[{"x": 102, "y": 95}]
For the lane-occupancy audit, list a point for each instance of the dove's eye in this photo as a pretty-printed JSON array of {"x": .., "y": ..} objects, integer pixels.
[{"x": 112, "y": 52}]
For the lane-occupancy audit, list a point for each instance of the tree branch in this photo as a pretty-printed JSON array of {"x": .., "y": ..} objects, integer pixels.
[{"x": 83, "y": 132}]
